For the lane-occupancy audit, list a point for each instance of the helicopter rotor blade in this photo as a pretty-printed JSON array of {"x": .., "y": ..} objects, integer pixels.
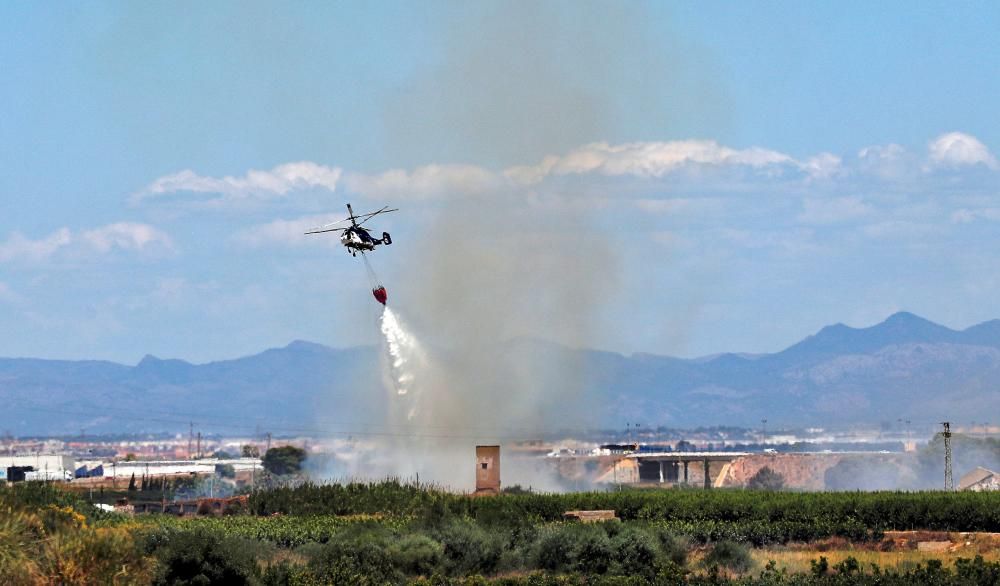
[
  {"x": 352, "y": 219},
  {"x": 322, "y": 229},
  {"x": 367, "y": 217}
]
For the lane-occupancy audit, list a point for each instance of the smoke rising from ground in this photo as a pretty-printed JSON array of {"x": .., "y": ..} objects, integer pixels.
[
  {"x": 510, "y": 82},
  {"x": 470, "y": 366},
  {"x": 495, "y": 277}
]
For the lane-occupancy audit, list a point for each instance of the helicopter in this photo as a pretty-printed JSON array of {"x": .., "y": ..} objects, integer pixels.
[{"x": 354, "y": 237}]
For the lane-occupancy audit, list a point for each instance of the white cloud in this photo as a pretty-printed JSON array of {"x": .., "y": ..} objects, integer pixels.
[
  {"x": 831, "y": 211},
  {"x": 900, "y": 230},
  {"x": 255, "y": 184},
  {"x": 424, "y": 182},
  {"x": 17, "y": 247},
  {"x": 876, "y": 154},
  {"x": 966, "y": 216},
  {"x": 670, "y": 239},
  {"x": 7, "y": 295},
  {"x": 680, "y": 205},
  {"x": 957, "y": 149},
  {"x": 286, "y": 232},
  {"x": 652, "y": 159},
  {"x": 126, "y": 236},
  {"x": 890, "y": 161},
  {"x": 647, "y": 159},
  {"x": 123, "y": 236},
  {"x": 822, "y": 166},
  {"x": 797, "y": 241}
]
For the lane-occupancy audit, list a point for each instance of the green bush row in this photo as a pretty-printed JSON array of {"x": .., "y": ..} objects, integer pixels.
[{"x": 879, "y": 511}]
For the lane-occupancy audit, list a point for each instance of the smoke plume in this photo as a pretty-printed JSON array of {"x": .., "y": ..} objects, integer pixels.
[{"x": 500, "y": 282}]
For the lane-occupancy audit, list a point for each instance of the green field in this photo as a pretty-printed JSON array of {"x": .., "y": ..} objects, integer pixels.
[{"x": 395, "y": 533}]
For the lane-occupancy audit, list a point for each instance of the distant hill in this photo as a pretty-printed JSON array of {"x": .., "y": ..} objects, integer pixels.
[{"x": 903, "y": 368}]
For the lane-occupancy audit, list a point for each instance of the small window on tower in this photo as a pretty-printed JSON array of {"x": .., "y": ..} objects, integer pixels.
[{"x": 485, "y": 465}]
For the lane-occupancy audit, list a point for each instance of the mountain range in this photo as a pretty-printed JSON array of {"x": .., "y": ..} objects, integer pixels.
[{"x": 905, "y": 368}]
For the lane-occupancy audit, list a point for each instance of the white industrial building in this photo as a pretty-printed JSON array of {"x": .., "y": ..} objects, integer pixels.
[
  {"x": 58, "y": 467},
  {"x": 173, "y": 467},
  {"x": 46, "y": 466}
]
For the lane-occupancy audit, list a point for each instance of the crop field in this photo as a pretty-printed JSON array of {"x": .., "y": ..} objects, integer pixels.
[{"x": 396, "y": 533}]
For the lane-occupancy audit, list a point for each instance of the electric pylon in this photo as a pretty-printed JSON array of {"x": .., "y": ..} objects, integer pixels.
[{"x": 948, "y": 483}]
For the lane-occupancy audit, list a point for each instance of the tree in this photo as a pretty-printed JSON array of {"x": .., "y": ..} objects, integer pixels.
[
  {"x": 766, "y": 479},
  {"x": 250, "y": 451},
  {"x": 284, "y": 460}
]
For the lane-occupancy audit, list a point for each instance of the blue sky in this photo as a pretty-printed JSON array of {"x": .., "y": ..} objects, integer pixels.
[{"x": 708, "y": 176}]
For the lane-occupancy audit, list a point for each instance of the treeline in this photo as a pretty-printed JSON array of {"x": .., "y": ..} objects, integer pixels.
[
  {"x": 966, "y": 572},
  {"x": 879, "y": 511},
  {"x": 434, "y": 537},
  {"x": 462, "y": 553},
  {"x": 293, "y": 531}
]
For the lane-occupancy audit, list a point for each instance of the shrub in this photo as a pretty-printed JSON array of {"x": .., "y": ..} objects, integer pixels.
[
  {"x": 555, "y": 550},
  {"x": 359, "y": 560},
  {"x": 94, "y": 556},
  {"x": 766, "y": 479},
  {"x": 593, "y": 553},
  {"x": 468, "y": 549},
  {"x": 44, "y": 539},
  {"x": 635, "y": 553},
  {"x": 730, "y": 555},
  {"x": 204, "y": 557},
  {"x": 417, "y": 555},
  {"x": 674, "y": 548}
]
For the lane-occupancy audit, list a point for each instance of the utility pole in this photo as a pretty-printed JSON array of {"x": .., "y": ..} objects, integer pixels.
[
  {"x": 199, "y": 445},
  {"x": 763, "y": 431},
  {"x": 948, "y": 483},
  {"x": 190, "y": 438},
  {"x": 268, "y": 443}
]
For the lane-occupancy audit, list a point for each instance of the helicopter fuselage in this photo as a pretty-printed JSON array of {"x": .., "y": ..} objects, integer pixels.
[{"x": 358, "y": 239}]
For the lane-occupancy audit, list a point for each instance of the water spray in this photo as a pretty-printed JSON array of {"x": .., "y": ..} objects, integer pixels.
[{"x": 404, "y": 358}]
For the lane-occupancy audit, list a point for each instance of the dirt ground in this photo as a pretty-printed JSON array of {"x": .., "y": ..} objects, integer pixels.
[{"x": 899, "y": 549}]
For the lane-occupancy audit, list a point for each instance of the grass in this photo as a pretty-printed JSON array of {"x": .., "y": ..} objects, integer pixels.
[{"x": 798, "y": 561}]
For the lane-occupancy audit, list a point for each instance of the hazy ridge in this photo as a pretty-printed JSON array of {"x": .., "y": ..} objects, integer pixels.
[{"x": 903, "y": 368}]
